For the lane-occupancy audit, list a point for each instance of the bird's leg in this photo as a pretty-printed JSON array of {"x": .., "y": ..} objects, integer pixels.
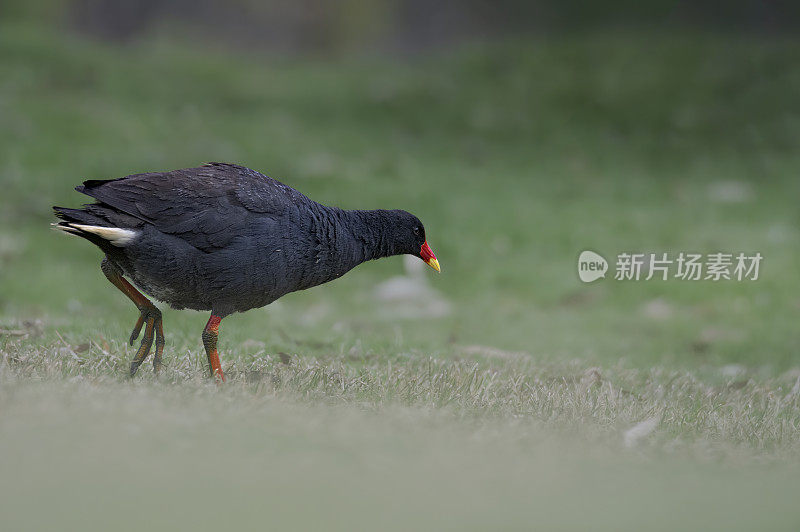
[
  {"x": 210, "y": 335},
  {"x": 149, "y": 317}
]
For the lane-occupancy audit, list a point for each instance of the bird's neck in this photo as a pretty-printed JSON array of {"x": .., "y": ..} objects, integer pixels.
[
  {"x": 373, "y": 233},
  {"x": 343, "y": 240}
]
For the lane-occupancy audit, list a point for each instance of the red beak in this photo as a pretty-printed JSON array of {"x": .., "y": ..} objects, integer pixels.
[{"x": 426, "y": 253}]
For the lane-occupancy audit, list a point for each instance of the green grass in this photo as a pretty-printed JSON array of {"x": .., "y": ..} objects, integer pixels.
[{"x": 508, "y": 412}]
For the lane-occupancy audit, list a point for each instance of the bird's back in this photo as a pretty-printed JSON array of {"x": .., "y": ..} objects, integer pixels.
[{"x": 206, "y": 206}]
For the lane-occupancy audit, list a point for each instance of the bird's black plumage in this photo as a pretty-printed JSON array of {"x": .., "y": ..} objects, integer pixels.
[{"x": 226, "y": 238}]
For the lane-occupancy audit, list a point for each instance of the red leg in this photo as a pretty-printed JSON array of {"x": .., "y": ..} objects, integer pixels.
[
  {"x": 149, "y": 315},
  {"x": 210, "y": 335}
]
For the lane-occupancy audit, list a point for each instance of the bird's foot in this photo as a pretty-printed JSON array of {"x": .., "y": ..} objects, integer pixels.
[{"x": 150, "y": 319}]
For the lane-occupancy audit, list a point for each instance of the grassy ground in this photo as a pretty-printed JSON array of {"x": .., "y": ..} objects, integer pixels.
[{"x": 513, "y": 410}]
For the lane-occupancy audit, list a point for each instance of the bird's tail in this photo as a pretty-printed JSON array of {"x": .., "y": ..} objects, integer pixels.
[{"x": 85, "y": 224}]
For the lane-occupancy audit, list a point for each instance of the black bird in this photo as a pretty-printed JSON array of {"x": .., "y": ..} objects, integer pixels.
[{"x": 225, "y": 238}]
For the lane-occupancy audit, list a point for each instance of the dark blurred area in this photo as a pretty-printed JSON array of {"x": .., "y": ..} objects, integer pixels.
[{"x": 398, "y": 26}]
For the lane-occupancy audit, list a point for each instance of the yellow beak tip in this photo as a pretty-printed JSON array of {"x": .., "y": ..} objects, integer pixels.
[{"x": 433, "y": 263}]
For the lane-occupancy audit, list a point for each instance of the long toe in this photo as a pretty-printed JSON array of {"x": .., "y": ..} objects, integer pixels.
[
  {"x": 144, "y": 348},
  {"x": 137, "y": 329},
  {"x": 152, "y": 320},
  {"x": 159, "y": 326}
]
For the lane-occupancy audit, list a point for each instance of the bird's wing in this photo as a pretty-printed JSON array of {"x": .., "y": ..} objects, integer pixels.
[{"x": 206, "y": 206}]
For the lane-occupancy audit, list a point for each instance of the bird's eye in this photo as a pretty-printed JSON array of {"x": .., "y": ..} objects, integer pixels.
[{"x": 416, "y": 230}]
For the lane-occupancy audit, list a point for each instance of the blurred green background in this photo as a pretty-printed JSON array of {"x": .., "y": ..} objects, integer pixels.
[
  {"x": 520, "y": 137},
  {"x": 500, "y": 394}
]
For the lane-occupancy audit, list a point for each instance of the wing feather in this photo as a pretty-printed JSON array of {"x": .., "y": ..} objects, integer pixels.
[{"x": 206, "y": 206}]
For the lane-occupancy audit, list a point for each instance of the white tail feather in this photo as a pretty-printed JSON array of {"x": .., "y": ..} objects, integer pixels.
[
  {"x": 64, "y": 228},
  {"x": 115, "y": 236}
]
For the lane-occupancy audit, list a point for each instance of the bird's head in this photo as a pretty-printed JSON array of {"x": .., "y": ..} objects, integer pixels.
[{"x": 409, "y": 238}]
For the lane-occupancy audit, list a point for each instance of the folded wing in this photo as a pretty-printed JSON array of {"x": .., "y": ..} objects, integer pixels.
[{"x": 207, "y": 206}]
